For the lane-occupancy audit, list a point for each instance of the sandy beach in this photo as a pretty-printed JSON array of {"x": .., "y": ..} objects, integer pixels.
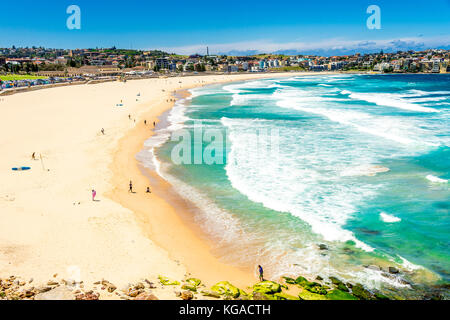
[{"x": 48, "y": 222}]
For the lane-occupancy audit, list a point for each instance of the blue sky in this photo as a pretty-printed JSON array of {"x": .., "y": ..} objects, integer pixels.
[{"x": 324, "y": 27}]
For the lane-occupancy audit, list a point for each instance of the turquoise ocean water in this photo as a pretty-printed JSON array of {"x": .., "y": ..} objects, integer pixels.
[{"x": 359, "y": 163}]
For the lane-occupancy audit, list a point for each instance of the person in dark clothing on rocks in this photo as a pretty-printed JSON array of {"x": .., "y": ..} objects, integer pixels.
[{"x": 261, "y": 273}]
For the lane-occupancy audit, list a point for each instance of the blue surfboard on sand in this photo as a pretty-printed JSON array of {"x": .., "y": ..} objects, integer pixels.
[{"x": 21, "y": 168}]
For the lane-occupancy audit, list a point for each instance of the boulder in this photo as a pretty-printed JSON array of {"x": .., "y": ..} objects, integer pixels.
[
  {"x": 340, "y": 295},
  {"x": 212, "y": 294},
  {"x": 226, "y": 288},
  {"x": 289, "y": 280},
  {"x": 393, "y": 270},
  {"x": 146, "y": 296},
  {"x": 284, "y": 296},
  {"x": 361, "y": 293},
  {"x": 59, "y": 293},
  {"x": 323, "y": 247},
  {"x": 87, "y": 296},
  {"x": 335, "y": 280},
  {"x": 307, "y": 295},
  {"x": 315, "y": 287},
  {"x": 380, "y": 296},
  {"x": 268, "y": 287},
  {"x": 301, "y": 281},
  {"x": 262, "y": 296},
  {"x": 187, "y": 295}
]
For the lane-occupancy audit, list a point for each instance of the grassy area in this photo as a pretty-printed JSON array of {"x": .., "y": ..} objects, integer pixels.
[
  {"x": 13, "y": 77},
  {"x": 288, "y": 69}
]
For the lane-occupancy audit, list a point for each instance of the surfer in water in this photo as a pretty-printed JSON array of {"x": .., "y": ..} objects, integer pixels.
[{"x": 261, "y": 273}]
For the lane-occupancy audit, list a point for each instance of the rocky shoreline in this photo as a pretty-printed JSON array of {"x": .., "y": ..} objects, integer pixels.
[{"x": 163, "y": 288}]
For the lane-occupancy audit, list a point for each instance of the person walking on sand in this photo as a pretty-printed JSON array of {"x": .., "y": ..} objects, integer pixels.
[
  {"x": 33, "y": 156},
  {"x": 131, "y": 187},
  {"x": 148, "y": 190},
  {"x": 261, "y": 273},
  {"x": 94, "y": 193},
  {"x": 145, "y": 122},
  {"x": 103, "y": 131},
  {"x": 154, "y": 124},
  {"x": 129, "y": 116}
]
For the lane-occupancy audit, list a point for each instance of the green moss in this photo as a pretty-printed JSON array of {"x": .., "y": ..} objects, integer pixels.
[
  {"x": 301, "y": 281},
  {"x": 194, "y": 281},
  {"x": 167, "y": 282},
  {"x": 226, "y": 288},
  {"x": 284, "y": 296},
  {"x": 267, "y": 287},
  {"x": 342, "y": 287},
  {"x": 189, "y": 287},
  {"x": 262, "y": 296},
  {"x": 340, "y": 295},
  {"x": 306, "y": 295},
  {"x": 359, "y": 291},
  {"x": 314, "y": 287},
  {"x": 289, "y": 280},
  {"x": 380, "y": 296}
]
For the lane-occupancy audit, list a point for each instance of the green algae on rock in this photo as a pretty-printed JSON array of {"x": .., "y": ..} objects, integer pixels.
[
  {"x": 268, "y": 287},
  {"x": 339, "y": 295},
  {"x": 167, "y": 282},
  {"x": 226, "y": 288}
]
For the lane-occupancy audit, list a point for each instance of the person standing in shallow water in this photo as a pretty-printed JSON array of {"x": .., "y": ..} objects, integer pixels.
[{"x": 261, "y": 273}]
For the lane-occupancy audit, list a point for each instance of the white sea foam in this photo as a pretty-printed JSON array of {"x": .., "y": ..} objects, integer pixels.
[
  {"x": 289, "y": 185},
  {"x": 387, "y": 100},
  {"x": 436, "y": 179},
  {"x": 389, "y": 218}
]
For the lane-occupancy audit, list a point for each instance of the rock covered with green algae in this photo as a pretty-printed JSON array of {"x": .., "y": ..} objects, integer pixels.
[
  {"x": 315, "y": 287},
  {"x": 211, "y": 294},
  {"x": 189, "y": 287},
  {"x": 339, "y": 284},
  {"x": 267, "y": 287},
  {"x": 289, "y": 280},
  {"x": 339, "y": 295},
  {"x": 360, "y": 292},
  {"x": 167, "y": 282},
  {"x": 284, "y": 296},
  {"x": 307, "y": 295},
  {"x": 262, "y": 296},
  {"x": 191, "y": 284},
  {"x": 226, "y": 288},
  {"x": 194, "y": 281}
]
